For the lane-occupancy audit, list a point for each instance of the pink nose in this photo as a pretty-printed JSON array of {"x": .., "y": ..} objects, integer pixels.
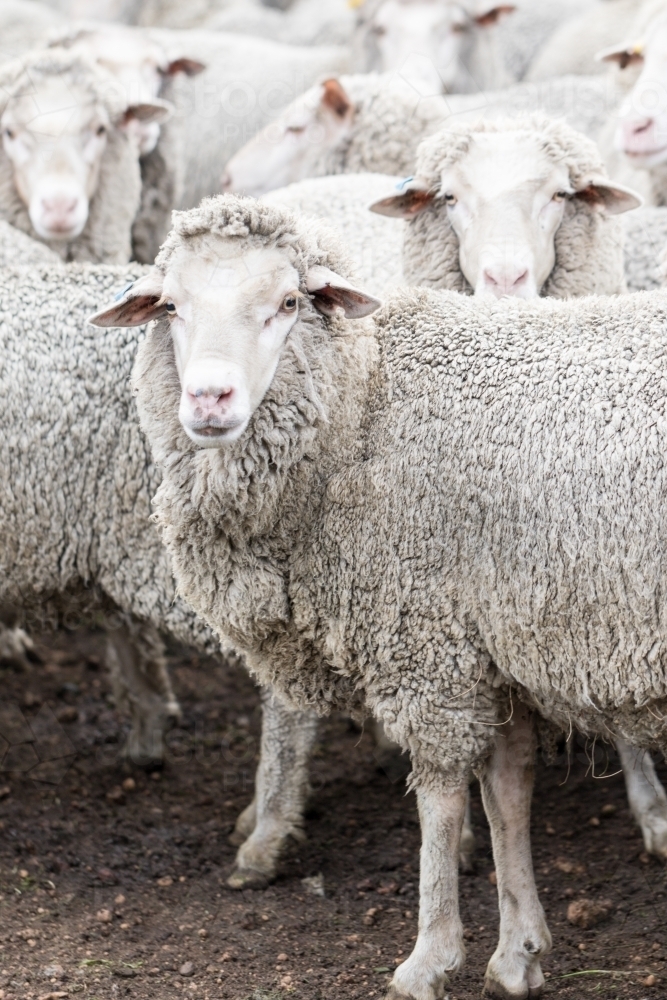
[
  {"x": 502, "y": 281},
  {"x": 225, "y": 182},
  {"x": 209, "y": 403},
  {"x": 639, "y": 136},
  {"x": 58, "y": 210}
]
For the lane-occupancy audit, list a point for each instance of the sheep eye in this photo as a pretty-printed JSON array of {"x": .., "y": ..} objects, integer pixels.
[
  {"x": 450, "y": 199},
  {"x": 296, "y": 129},
  {"x": 101, "y": 129},
  {"x": 560, "y": 196},
  {"x": 289, "y": 303},
  {"x": 9, "y": 133},
  {"x": 379, "y": 30},
  {"x": 170, "y": 307}
]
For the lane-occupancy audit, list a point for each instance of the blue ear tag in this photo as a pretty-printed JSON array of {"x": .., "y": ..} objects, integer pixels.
[
  {"x": 402, "y": 184},
  {"x": 123, "y": 292}
]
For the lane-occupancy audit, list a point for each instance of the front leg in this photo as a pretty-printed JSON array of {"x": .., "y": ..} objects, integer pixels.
[
  {"x": 281, "y": 789},
  {"x": 646, "y": 796},
  {"x": 507, "y": 785},
  {"x": 439, "y": 949}
]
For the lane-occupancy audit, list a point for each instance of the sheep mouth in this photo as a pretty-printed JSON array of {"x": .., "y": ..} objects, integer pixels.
[{"x": 210, "y": 435}]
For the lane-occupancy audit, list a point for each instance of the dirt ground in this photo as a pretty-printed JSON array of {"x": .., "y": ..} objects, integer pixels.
[{"x": 118, "y": 890}]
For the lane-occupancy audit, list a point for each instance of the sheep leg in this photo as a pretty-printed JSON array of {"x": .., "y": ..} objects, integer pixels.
[
  {"x": 16, "y": 646},
  {"x": 507, "y": 784},
  {"x": 467, "y": 845},
  {"x": 281, "y": 791},
  {"x": 646, "y": 796},
  {"x": 141, "y": 685},
  {"x": 439, "y": 949}
]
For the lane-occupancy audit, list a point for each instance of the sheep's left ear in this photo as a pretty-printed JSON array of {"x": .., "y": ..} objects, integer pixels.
[
  {"x": 329, "y": 291},
  {"x": 155, "y": 111},
  {"x": 615, "y": 198},
  {"x": 622, "y": 55},
  {"x": 135, "y": 305},
  {"x": 493, "y": 15},
  {"x": 412, "y": 199},
  {"x": 191, "y": 67}
]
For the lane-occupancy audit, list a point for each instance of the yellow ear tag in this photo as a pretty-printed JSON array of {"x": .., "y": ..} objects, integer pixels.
[{"x": 353, "y": 4}]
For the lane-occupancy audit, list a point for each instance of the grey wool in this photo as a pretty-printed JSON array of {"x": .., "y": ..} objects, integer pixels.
[
  {"x": 106, "y": 237},
  {"x": 17, "y": 249},
  {"x": 645, "y": 240},
  {"x": 588, "y": 243},
  {"x": 435, "y": 514}
]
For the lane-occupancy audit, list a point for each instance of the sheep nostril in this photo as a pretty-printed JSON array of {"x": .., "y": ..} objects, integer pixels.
[{"x": 225, "y": 182}]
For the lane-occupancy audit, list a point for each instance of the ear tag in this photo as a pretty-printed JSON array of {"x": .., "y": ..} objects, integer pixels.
[
  {"x": 404, "y": 183},
  {"x": 123, "y": 292}
]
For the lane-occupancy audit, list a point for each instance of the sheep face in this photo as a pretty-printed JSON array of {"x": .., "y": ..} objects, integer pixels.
[
  {"x": 137, "y": 64},
  {"x": 425, "y": 40},
  {"x": 288, "y": 149},
  {"x": 230, "y": 311},
  {"x": 55, "y": 138},
  {"x": 641, "y": 132},
  {"x": 504, "y": 196}
]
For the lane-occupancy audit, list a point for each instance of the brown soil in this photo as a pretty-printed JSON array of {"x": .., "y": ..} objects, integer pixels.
[{"x": 116, "y": 890}]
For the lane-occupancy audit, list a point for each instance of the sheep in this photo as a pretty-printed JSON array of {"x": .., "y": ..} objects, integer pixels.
[
  {"x": 69, "y": 165},
  {"x": 306, "y": 22},
  {"x": 478, "y": 222},
  {"x": 375, "y": 123},
  {"x": 377, "y": 256},
  {"x": 633, "y": 142},
  {"x": 572, "y": 48},
  {"x": 17, "y": 249},
  {"x": 449, "y": 516},
  {"x": 75, "y": 532},
  {"x": 246, "y": 82},
  {"x": 144, "y": 75}
]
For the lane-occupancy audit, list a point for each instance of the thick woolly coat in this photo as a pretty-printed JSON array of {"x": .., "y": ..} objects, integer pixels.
[
  {"x": 76, "y": 540},
  {"x": 106, "y": 237},
  {"x": 432, "y": 518},
  {"x": 588, "y": 242}
]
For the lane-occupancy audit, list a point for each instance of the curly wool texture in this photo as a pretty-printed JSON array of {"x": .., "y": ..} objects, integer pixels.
[
  {"x": 390, "y": 118},
  {"x": 373, "y": 241},
  {"x": 588, "y": 243},
  {"x": 106, "y": 237},
  {"x": 472, "y": 516},
  {"x": 645, "y": 240},
  {"x": 17, "y": 249},
  {"x": 76, "y": 540}
]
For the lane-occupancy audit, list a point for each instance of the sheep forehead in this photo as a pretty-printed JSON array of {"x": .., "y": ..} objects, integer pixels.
[
  {"x": 55, "y": 108},
  {"x": 500, "y": 162},
  {"x": 123, "y": 47},
  {"x": 257, "y": 274},
  {"x": 416, "y": 13},
  {"x": 656, "y": 38}
]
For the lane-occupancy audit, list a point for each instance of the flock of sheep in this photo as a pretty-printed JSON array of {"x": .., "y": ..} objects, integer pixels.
[{"x": 409, "y": 462}]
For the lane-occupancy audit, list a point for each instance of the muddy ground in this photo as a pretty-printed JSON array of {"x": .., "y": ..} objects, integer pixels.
[{"x": 117, "y": 891}]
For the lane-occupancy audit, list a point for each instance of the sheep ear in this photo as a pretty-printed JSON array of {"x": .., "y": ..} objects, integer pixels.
[
  {"x": 494, "y": 14},
  {"x": 615, "y": 198},
  {"x": 410, "y": 202},
  {"x": 156, "y": 111},
  {"x": 191, "y": 67},
  {"x": 335, "y": 98},
  {"x": 329, "y": 291},
  {"x": 622, "y": 55},
  {"x": 135, "y": 305}
]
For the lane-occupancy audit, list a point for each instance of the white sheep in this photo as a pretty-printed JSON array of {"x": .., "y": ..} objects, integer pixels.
[
  {"x": 24, "y": 25},
  {"x": 645, "y": 240},
  {"x": 76, "y": 539},
  {"x": 69, "y": 164},
  {"x": 634, "y": 139},
  {"x": 450, "y": 516},
  {"x": 572, "y": 48},
  {"x": 245, "y": 84},
  {"x": 144, "y": 76},
  {"x": 374, "y": 123}
]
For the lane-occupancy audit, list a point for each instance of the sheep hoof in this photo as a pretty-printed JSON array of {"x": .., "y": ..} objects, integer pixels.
[
  {"x": 466, "y": 863},
  {"x": 248, "y": 878},
  {"x": 494, "y": 989}
]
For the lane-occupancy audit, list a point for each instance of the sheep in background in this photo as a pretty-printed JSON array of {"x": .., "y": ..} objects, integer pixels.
[
  {"x": 245, "y": 84},
  {"x": 479, "y": 222},
  {"x": 526, "y": 576},
  {"x": 374, "y": 124},
  {"x": 76, "y": 537},
  {"x": 573, "y": 47},
  {"x": 144, "y": 75},
  {"x": 69, "y": 166},
  {"x": 24, "y": 25}
]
